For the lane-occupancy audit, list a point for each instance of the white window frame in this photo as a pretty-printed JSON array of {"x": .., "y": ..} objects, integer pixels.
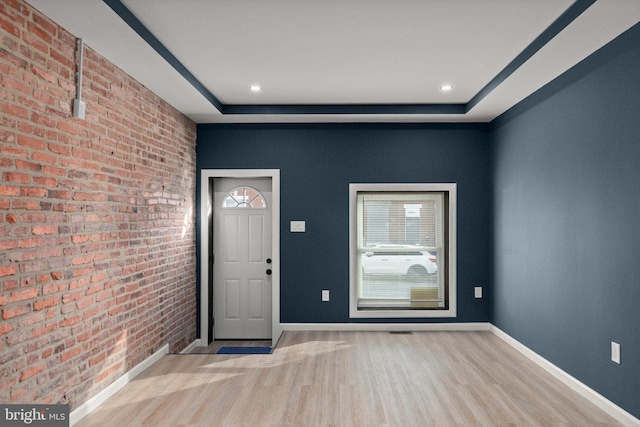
[{"x": 354, "y": 312}]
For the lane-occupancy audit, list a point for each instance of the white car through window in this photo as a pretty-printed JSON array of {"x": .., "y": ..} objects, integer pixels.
[{"x": 404, "y": 260}]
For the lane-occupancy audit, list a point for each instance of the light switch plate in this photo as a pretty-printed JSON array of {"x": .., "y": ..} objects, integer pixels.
[
  {"x": 615, "y": 352},
  {"x": 478, "y": 291},
  {"x": 297, "y": 226},
  {"x": 325, "y": 295}
]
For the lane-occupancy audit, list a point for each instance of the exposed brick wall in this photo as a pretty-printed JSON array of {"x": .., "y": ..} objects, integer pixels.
[{"x": 97, "y": 241}]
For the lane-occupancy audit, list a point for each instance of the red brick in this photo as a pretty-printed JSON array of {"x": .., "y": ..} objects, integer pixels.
[
  {"x": 8, "y": 270},
  {"x": 53, "y": 288},
  {"x": 45, "y": 303},
  {"x": 81, "y": 154},
  {"x": 18, "y": 394},
  {"x": 30, "y": 205},
  {"x": 81, "y": 272},
  {"x": 41, "y": 279},
  {"x": 33, "y": 192},
  {"x": 43, "y": 119},
  {"x": 45, "y": 181},
  {"x": 85, "y": 259},
  {"x": 97, "y": 359},
  {"x": 31, "y": 243},
  {"x": 80, "y": 239},
  {"x": 131, "y": 146},
  {"x": 115, "y": 310},
  {"x": 98, "y": 277},
  {"x": 29, "y": 166},
  {"x": 8, "y": 137},
  {"x": 68, "y": 127},
  {"x": 43, "y": 330},
  {"x": 102, "y": 376},
  {"x": 59, "y": 149},
  {"x": 7, "y": 385},
  {"x": 32, "y": 371},
  {"x": 52, "y": 252},
  {"x": 69, "y": 321},
  {"x": 44, "y": 229},
  {"x": 5, "y": 328},
  {"x": 24, "y": 295},
  {"x": 36, "y": 144},
  {"x": 9, "y": 285},
  {"x": 51, "y": 170},
  {"x": 84, "y": 336},
  {"x": 17, "y": 177},
  {"x": 70, "y": 354},
  {"x": 9, "y": 191},
  {"x": 98, "y": 287},
  {"x": 45, "y": 24},
  {"x": 30, "y": 320},
  {"x": 67, "y": 298},
  {"x": 84, "y": 303},
  {"x": 17, "y": 85},
  {"x": 44, "y": 158},
  {"x": 44, "y": 97},
  {"x": 10, "y": 27},
  {"x": 90, "y": 312},
  {"x": 15, "y": 311},
  {"x": 14, "y": 110},
  {"x": 81, "y": 196},
  {"x": 40, "y": 32}
]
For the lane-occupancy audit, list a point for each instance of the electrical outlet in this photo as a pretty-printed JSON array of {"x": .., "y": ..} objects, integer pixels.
[
  {"x": 478, "y": 291},
  {"x": 615, "y": 352},
  {"x": 325, "y": 295}
]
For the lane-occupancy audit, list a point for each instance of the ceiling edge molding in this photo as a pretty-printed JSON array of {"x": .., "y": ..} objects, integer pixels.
[{"x": 564, "y": 20}]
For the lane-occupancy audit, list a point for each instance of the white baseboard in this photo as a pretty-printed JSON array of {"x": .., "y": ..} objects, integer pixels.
[
  {"x": 188, "y": 349},
  {"x": 91, "y": 404},
  {"x": 588, "y": 393},
  {"x": 476, "y": 326}
]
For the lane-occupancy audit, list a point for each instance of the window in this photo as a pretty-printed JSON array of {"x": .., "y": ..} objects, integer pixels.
[
  {"x": 244, "y": 197},
  {"x": 402, "y": 250}
]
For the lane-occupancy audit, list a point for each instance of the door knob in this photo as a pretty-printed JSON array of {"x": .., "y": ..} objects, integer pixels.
[
  {"x": 268, "y": 260},
  {"x": 268, "y": 271}
]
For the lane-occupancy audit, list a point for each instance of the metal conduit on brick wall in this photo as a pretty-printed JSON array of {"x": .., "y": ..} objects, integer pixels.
[{"x": 97, "y": 240}]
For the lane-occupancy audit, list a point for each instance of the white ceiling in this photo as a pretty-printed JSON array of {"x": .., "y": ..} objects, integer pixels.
[{"x": 372, "y": 53}]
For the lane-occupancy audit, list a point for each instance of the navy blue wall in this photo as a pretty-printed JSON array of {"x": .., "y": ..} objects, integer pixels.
[
  {"x": 317, "y": 163},
  {"x": 567, "y": 221},
  {"x": 548, "y": 212}
]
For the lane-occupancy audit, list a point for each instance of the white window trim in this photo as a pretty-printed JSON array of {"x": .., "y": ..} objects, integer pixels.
[{"x": 354, "y": 189}]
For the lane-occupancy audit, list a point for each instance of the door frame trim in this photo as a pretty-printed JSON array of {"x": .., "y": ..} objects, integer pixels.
[{"x": 205, "y": 198}]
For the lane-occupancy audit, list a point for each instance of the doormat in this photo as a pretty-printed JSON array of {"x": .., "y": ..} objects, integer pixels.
[{"x": 244, "y": 350}]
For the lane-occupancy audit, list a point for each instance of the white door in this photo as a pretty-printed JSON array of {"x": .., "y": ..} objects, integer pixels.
[{"x": 242, "y": 258}]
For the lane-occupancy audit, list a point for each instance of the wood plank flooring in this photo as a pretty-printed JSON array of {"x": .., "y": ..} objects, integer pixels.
[{"x": 352, "y": 379}]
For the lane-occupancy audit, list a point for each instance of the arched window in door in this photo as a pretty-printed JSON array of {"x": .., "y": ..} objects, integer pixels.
[{"x": 244, "y": 197}]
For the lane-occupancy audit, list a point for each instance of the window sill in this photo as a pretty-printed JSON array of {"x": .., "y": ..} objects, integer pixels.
[{"x": 355, "y": 313}]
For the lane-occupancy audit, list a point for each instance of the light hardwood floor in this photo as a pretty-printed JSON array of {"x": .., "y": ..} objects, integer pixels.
[{"x": 352, "y": 379}]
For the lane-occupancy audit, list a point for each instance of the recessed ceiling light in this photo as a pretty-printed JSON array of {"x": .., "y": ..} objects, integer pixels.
[
  {"x": 446, "y": 88},
  {"x": 255, "y": 88}
]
